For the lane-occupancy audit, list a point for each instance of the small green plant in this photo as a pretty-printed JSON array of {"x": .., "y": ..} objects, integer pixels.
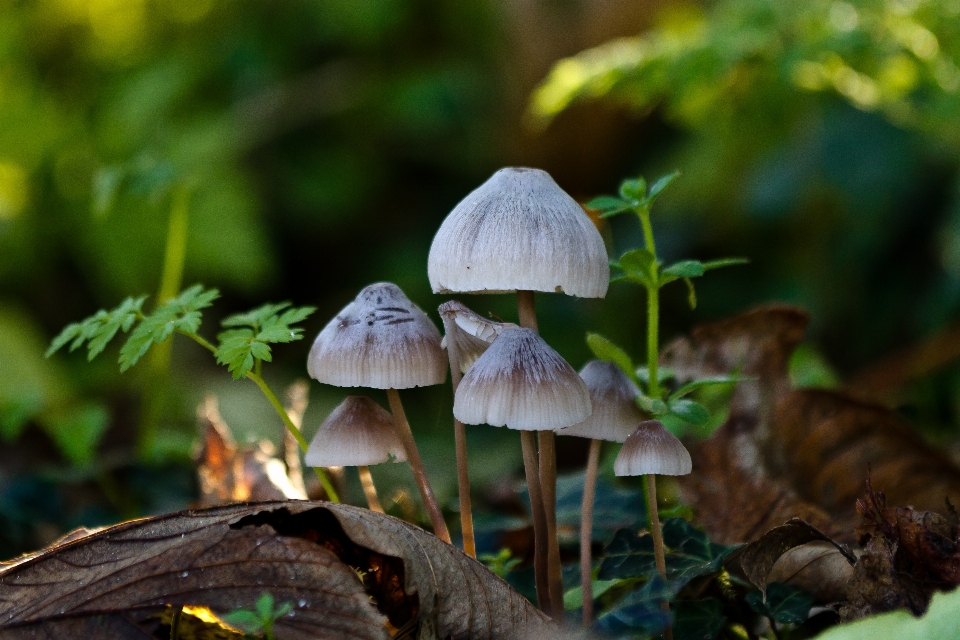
[
  {"x": 500, "y": 563},
  {"x": 259, "y": 622},
  {"x": 243, "y": 347}
]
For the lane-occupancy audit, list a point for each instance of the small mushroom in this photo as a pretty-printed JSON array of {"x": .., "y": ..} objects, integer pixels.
[
  {"x": 383, "y": 341},
  {"x": 615, "y": 415},
  {"x": 358, "y": 433}
]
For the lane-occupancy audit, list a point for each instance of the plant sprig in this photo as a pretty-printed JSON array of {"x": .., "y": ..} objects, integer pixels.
[{"x": 242, "y": 347}]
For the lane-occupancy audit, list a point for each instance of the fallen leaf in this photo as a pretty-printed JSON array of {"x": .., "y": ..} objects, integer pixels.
[
  {"x": 349, "y": 572},
  {"x": 820, "y": 568}
]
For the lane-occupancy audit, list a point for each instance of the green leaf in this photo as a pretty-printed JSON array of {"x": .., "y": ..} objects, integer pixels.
[
  {"x": 784, "y": 603},
  {"x": 691, "y": 293},
  {"x": 608, "y": 206},
  {"x": 179, "y": 314},
  {"x": 940, "y": 622},
  {"x": 697, "y": 619},
  {"x": 690, "y": 554},
  {"x": 573, "y": 599},
  {"x": 689, "y": 411},
  {"x": 633, "y": 189},
  {"x": 246, "y": 620},
  {"x": 662, "y": 183},
  {"x": 99, "y": 329},
  {"x": 78, "y": 432},
  {"x": 724, "y": 262},
  {"x": 684, "y": 269},
  {"x": 653, "y": 406},
  {"x": 606, "y": 350},
  {"x": 663, "y": 374},
  {"x": 265, "y": 606},
  {"x": 640, "y": 610},
  {"x": 708, "y": 382},
  {"x": 255, "y": 331},
  {"x": 637, "y": 260}
]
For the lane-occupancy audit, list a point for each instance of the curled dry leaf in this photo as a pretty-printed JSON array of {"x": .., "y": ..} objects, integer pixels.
[
  {"x": 799, "y": 554},
  {"x": 349, "y": 572}
]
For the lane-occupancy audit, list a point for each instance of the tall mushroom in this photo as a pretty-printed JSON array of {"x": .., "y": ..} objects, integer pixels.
[
  {"x": 615, "y": 416},
  {"x": 468, "y": 335},
  {"x": 521, "y": 383},
  {"x": 358, "y": 433},
  {"x": 519, "y": 231},
  {"x": 649, "y": 451},
  {"x": 383, "y": 341}
]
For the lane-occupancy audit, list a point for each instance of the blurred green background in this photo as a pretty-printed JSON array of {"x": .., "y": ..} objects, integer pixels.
[{"x": 318, "y": 146}]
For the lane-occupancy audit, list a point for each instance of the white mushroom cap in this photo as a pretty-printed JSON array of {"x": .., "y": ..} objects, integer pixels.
[
  {"x": 474, "y": 332},
  {"x": 521, "y": 383},
  {"x": 652, "y": 449},
  {"x": 519, "y": 231},
  {"x": 613, "y": 396},
  {"x": 359, "y": 432},
  {"x": 380, "y": 340}
]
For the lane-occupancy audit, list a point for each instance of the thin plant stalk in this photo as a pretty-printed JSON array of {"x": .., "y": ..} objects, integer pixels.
[
  {"x": 369, "y": 489},
  {"x": 547, "y": 465},
  {"x": 416, "y": 463},
  {"x": 586, "y": 530},
  {"x": 654, "y": 391},
  {"x": 460, "y": 440},
  {"x": 275, "y": 403},
  {"x": 528, "y": 443}
]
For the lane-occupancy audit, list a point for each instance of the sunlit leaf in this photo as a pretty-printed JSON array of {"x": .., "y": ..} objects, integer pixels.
[
  {"x": 99, "y": 329},
  {"x": 253, "y": 332},
  {"x": 690, "y": 411},
  {"x": 606, "y": 350}
]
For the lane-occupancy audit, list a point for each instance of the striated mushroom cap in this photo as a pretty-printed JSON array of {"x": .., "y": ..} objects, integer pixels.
[
  {"x": 652, "y": 449},
  {"x": 521, "y": 383},
  {"x": 474, "y": 333},
  {"x": 613, "y": 397},
  {"x": 359, "y": 432},
  {"x": 380, "y": 340},
  {"x": 519, "y": 231}
]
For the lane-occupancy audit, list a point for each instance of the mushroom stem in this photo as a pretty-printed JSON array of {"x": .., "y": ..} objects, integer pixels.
[
  {"x": 650, "y": 480},
  {"x": 460, "y": 439},
  {"x": 530, "y": 467},
  {"x": 369, "y": 489},
  {"x": 586, "y": 530},
  {"x": 526, "y": 309},
  {"x": 416, "y": 463}
]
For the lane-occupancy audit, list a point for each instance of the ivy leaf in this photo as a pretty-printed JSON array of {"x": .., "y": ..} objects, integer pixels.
[
  {"x": 606, "y": 350},
  {"x": 690, "y": 411},
  {"x": 99, "y": 329},
  {"x": 640, "y": 610},
  {"x": 690, "y": 554},
  {"x": 179, "y": 314},
  {"x": 255, "y": 331},
  {"x": 783, "y": 603},
  {"x": 708, "y": 382},
  {"x": 697, "y": 619}
]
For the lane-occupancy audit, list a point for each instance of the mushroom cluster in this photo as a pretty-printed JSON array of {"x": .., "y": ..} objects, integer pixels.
[{"x": 518, "y": 233}]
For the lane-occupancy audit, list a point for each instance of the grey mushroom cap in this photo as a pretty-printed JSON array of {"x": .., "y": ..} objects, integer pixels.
[
  {"x": 652, "y": 449},
  {"x": 613, "y": 396},
  {"x": 519, "y": 231},
  {"x": 521, "y": 383},
  {"x": 380, "y": 340},
  {"x": 475, "y": 333},
  {"x": 359, "y": 432}
]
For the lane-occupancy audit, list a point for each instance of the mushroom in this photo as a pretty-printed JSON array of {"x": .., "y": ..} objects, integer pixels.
[
  {"x": 382, "y": 340},
  {"x": 358, "y": 433},
  {"x": 521, "y": 383},
  {"x": 468, "y": 335},
  {"x": 519, "y": 231},
  {"x": 648, "y": 451},
  {"x": 615, "y": 415}
]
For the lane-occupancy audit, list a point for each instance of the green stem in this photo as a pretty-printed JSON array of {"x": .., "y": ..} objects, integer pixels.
[
  {"x": 653, "y": 306},
  {"x": 278, "y": 407}
]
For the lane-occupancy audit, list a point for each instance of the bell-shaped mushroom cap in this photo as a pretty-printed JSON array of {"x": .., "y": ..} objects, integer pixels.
[
  {"x": 475, "y": 333},
  {"x": 613, "y": 396},
  {"x": 380, "y": 340},
  {"x": 652, "y": 449},
  {"x": 519, "y": 231},
  {"x": 359, "y": 432},
  {"x": 521, "y": 383}
]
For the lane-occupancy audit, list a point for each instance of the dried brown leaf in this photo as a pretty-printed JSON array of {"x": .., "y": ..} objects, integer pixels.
[
  {"x": 113, "y": 584},
  {"x": 819, "y": 568}
]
